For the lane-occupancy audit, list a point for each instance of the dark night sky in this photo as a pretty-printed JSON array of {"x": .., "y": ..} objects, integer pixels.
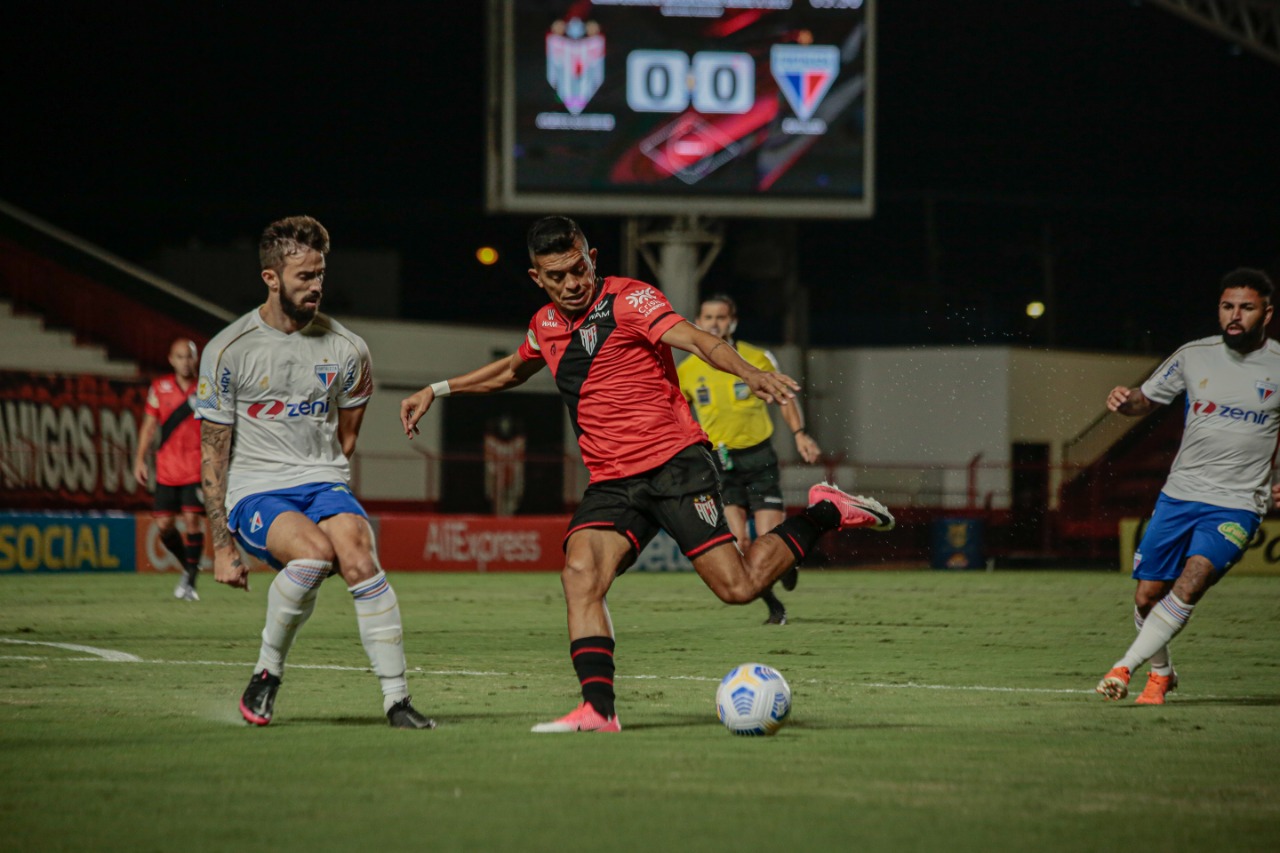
[{"x": 1144, "y": 146}]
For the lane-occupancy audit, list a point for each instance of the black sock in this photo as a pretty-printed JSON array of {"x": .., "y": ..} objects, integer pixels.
[
  {"x": 172, "y": 541},
  {"x": 800, "y": 532},
  {"x": 193, "y": 549},
  {"x": 593, "y": 662}
]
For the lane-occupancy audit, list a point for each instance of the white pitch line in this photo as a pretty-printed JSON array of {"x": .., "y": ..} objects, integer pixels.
[
  {"x": 104, "y": 654},
  {"x": 113, "y": 656}
]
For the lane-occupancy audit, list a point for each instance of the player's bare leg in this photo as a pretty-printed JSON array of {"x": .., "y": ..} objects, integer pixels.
[
  {"x": 592, "y": 560},
  {"x": 736, "y": 517}
]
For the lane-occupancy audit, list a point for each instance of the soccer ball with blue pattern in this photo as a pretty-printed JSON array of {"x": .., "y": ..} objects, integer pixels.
[{"x": 753, "y": 699}]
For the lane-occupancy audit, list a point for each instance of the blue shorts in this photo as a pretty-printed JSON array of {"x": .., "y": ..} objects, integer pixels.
[
  {"x": 1182, "y": 529},
  {"x": 252, "y": 516}
]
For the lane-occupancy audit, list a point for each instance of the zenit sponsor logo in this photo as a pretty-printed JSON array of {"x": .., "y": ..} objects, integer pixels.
[
  {"x": 1207, "y": 408},
  {"x": 275, "y": 409}
]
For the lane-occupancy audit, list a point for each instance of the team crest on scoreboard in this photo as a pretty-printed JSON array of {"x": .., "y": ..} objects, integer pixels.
[
  {"x": 575, "y": 62},
  {"x": 326, "y": 373},
  {"x": 804, "y": 73},
  {"x": 1265, "y": 390},
  {"x": 707, "y": 510},
  {"x": 589, "y": 337}
]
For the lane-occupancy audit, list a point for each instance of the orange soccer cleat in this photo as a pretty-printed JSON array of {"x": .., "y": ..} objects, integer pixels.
[
  {"x": 1115, "y": 684},
  {"x": 1157, "y": 687}
]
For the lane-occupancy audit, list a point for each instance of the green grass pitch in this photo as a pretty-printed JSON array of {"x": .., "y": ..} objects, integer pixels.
[{"x": 932, "y": 711}]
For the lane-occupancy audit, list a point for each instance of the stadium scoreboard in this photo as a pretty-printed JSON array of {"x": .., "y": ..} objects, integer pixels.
[{"x": 665, "y": 107}]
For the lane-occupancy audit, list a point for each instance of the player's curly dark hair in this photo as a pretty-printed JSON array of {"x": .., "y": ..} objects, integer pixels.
[
  {"x": 554, "y": 234},
  {"x": 288, "y": 236},
  {"x": 1244, "y": 277}
]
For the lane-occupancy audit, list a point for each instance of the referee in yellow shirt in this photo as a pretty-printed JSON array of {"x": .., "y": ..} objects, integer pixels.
[{"x": 739, "y": 426}]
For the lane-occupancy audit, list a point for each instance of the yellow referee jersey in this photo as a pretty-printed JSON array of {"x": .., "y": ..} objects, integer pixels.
[{"x": 723, "y": 404}]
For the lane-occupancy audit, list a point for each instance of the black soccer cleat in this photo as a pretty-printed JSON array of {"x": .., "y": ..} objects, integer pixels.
[
  {"x": 403, "y": 715},
  {"x": 790, "y": 577},
  {"x": 777, "y": 610},
  {"x": 259, "y": 698}
]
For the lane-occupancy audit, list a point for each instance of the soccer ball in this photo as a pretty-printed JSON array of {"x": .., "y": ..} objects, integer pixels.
[{"x": 753, "y": 699}]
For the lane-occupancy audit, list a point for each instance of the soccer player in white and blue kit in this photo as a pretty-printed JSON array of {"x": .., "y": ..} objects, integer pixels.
[
  {"x": 1219, "y": 486},
  {"x": 281, "y": 394}
]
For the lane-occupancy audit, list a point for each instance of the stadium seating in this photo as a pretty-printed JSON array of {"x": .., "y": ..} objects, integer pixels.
[{"x": 25, "y": 344}]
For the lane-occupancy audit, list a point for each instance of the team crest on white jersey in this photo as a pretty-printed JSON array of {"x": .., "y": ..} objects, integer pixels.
[
  {"x": 707, "y": 510},
  {"x": 575, "y": 62},
  {"x": 1265, "y": 390},
  {"x": 326, "y": 373},
  {"x": 589, "y": 337}
]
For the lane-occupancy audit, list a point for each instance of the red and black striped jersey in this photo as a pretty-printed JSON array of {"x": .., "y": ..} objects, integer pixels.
[
  {"x": 178, "y": 459},
  {"x": 617, "y": 378}
]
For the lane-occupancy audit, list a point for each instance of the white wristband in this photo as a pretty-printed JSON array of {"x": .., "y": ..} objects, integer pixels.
[{"x": 440, "y": 389}]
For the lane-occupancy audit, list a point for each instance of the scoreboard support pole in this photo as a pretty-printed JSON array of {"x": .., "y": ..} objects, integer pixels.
[{"x": 678, "y": 251}]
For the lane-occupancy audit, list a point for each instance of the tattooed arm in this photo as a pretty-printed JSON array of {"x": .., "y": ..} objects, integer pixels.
[{"x": 215, "y": 459}]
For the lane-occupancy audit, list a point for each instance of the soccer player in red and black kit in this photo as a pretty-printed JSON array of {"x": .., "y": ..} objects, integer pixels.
[
  {"x": 168, "y": 410},
  {"x": 608, "y": 343}
]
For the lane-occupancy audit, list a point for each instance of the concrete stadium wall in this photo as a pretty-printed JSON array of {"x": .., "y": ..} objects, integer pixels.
[{"x": 911, "y": 418}]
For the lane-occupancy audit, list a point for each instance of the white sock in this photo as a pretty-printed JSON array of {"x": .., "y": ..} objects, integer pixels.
[
  {"x": 290, "y": 600},
  {"x": 1161, "y": 663},
  {"x": 378, "y": 614},
  {"x": 1162, "y": 624}
]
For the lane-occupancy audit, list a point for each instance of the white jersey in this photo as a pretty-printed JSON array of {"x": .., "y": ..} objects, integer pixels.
[
  {"x": 1229, "y": 439},
  {"x": 282, "y": 393}
]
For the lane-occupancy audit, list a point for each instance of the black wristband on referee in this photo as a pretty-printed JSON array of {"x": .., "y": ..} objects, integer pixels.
[{"x": 797, "y": 432}]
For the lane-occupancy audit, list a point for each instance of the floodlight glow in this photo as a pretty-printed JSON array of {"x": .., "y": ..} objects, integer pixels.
[
  {"x": 1035, "y": 309},
  {"x": 487, "y": 255}
]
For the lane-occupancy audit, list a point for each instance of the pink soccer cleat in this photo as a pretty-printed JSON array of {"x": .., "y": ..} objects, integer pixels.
[
  {"x": 855, "y": 510},
  {"x": 583, "y": 718}
]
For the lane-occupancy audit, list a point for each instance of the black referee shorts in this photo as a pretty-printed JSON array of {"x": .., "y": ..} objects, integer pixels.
[
  {"x": 681, "y": 496},
  {"x": 753, "y": 482}
]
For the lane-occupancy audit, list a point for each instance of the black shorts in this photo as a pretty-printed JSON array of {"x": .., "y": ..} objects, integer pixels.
[
  {"x": 681, "y": 496},
  {"x": 753, "y": 481},
  {"x": 171, "y": 500}
]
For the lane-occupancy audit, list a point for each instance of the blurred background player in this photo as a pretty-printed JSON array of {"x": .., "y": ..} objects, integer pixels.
[
  {"x": 1220, "y": 484},
  {"x": 169, "y": 412},
  {"x": 607, "y": 341},
  {"x": 289, "y": 386},
  {"x": 740, "y": 428}
]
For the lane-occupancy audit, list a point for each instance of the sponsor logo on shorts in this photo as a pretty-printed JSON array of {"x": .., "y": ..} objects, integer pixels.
[
  {"x": 1137, "y": 560},
  {"x": 1233, "y": 533},
  {"x": 255, "y": 523},
  {"x": 707, "y": 509}
]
